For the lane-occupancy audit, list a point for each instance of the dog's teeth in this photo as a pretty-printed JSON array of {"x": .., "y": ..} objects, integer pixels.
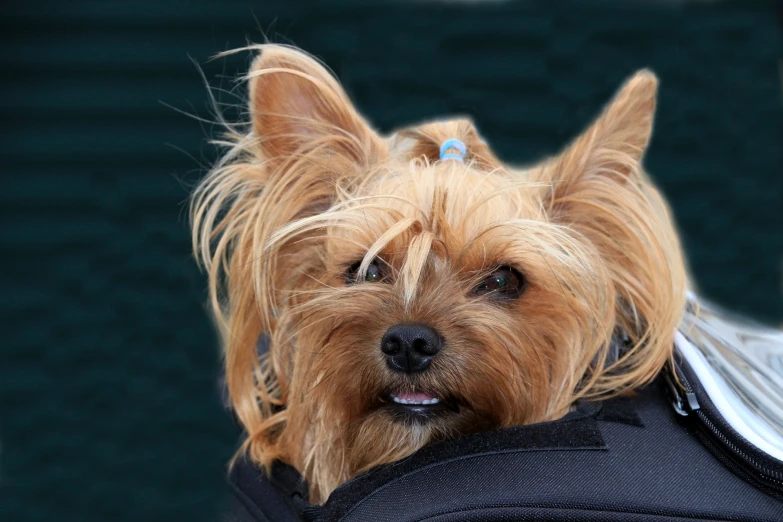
[{"x": 400, "y": 400}]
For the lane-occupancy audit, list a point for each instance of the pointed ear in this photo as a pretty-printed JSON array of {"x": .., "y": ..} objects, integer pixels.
[
  {"x": 614, "y": 144},
  {"x": 296, "y": 105},
  {"x": 597, "y": 187}
]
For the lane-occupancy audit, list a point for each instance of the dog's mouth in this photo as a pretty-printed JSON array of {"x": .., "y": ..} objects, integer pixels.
[{"x": 418, "y": 405}]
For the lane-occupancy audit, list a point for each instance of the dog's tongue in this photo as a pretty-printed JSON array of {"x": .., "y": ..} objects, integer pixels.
[{"x": 414, "y": 397}]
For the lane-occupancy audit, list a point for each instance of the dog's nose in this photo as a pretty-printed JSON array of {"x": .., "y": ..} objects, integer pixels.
[{"x": 410, "y": 348}]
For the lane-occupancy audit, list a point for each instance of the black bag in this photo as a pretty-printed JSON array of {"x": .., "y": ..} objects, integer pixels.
[{"x": 663, "y": 455}]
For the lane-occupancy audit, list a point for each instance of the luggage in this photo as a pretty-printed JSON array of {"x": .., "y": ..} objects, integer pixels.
[{"x": 713, "y": 451}]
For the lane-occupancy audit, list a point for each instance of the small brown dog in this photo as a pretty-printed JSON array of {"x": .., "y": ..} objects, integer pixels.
[{"x": 413, "y": 287}]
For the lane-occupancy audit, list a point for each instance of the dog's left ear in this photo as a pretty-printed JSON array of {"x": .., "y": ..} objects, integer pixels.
[
  {"x": 614, "y": 145},
  {"x": 597, "y": 187}
]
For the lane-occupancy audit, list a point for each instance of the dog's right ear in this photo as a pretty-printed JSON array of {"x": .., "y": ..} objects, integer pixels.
[
  {"x": 297, "y": 107},
  {"x": 306, "y": 138}
]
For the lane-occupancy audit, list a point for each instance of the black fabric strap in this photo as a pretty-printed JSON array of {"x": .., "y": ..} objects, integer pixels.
[{"x": 578, "y": 430}]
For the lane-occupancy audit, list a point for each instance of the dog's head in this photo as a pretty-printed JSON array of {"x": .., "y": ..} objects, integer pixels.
[{"x": 410, "y": 297}]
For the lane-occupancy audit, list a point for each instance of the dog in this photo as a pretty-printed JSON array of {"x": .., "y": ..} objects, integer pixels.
[{"x": 414, "y": 288}]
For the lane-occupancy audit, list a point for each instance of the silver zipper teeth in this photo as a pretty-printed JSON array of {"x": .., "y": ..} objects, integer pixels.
[{"x": 774, "y": 475}]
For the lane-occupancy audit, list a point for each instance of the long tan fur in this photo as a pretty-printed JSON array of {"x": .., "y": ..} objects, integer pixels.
[{"x": 309, "y": 189}]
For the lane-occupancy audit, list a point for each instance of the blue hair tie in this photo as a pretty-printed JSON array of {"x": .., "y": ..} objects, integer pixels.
[{"x": 453, "y": 144}]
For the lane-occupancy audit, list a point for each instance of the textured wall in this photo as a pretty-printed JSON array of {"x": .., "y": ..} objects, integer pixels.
[{"x": 109, "y": 408}]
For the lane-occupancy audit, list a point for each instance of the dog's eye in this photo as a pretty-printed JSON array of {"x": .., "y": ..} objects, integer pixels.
[
  {"x": 503, "y": 282},
  {"x": 375, "y": 273}
]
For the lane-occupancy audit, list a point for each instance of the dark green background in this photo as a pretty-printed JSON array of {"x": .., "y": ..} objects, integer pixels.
[{"x": 109, "y": 363}]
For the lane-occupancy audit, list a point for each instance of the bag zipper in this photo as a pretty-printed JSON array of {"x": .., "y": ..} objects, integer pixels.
[{"x": 735, "y": 458}]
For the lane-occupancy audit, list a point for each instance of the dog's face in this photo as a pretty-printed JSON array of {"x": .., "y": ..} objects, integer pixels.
[{"x": 410, "y": 298}]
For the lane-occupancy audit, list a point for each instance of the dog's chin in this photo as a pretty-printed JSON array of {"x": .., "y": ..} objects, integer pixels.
[{"x": 419, "y": 407}]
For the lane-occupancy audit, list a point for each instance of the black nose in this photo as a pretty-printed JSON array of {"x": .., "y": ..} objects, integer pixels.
[{"x": 410, "y": 348}]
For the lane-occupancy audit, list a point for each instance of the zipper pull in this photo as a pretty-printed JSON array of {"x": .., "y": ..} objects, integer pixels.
[{"x": 684, "y": 402}]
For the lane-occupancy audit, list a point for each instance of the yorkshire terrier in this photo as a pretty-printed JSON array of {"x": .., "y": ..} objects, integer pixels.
[{"x": 413, "y": 288}]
